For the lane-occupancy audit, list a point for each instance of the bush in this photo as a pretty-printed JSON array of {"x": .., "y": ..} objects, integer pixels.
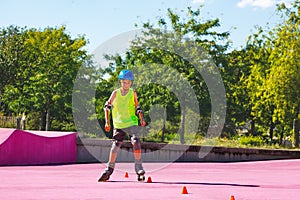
[{"x": 251, "y": 140}]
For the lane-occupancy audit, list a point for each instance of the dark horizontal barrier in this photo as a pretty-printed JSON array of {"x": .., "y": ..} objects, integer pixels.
[{"x": 96, "y": 150}]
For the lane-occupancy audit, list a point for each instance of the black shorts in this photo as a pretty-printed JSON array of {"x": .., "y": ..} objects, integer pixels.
[{"x": 120, "y": 134}]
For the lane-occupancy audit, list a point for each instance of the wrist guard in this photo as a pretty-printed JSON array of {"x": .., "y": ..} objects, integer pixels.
[
  {"x": 107, "y": 106},
  {"x": 138, "y": 110}
]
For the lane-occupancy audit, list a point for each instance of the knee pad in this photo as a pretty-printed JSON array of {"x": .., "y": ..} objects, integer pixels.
[
  {"x": 115, "y": 146},
  {"x": 135, "y": 141}
]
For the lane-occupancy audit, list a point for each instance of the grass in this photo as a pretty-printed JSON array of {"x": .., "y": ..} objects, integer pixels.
[
  {"x": 241, "y": 141},
  {"x": 234, "y": 142}
]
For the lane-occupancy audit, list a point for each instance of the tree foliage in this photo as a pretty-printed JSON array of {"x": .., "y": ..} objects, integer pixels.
[
  {"x": 42, "y": 65},
  {"x": 169, "y": 43},
  {"x": 284, "y": 80},
  {"x": 262, "y": 79},
  {"x": 271, "y": 85}
]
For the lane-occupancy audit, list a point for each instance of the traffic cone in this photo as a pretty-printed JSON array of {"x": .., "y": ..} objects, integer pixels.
[
  {"x": 184, "y": 190},
  {"x": 126, "y": 175},
  {"x": 231, "y": 197},
  {"x": 149, "y": 180}
]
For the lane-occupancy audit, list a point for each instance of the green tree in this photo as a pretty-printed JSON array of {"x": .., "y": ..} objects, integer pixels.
[
  {"x": 166, "y": 44},
  {"x": 284, "y": 81},
  {"x": 43, "y": 87},
  {"x": 235, "y": 73},
  {"x": 13, "y": 61},
  {"x": 272, "y": 86},
  {"x": 258, "y": 51},
  {"x": 56, "y": 60}
]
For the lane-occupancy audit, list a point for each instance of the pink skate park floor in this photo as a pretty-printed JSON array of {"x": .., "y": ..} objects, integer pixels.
[
  {"x": 256, "y": 180},
  {"x": 259, "y": 180}
]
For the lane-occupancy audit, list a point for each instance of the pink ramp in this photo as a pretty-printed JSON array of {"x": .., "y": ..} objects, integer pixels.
[{"x": 18, "y": 147}]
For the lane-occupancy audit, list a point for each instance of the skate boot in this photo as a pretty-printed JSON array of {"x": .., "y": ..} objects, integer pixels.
[
  {"x": 140, "y": 172},
  {"x": 106, "y": 174}
]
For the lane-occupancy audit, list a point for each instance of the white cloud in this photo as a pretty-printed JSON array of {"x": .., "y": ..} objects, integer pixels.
[
  {"x": 256, "y": 3},
  {"x": 198, "y": 1},
  {"x": 261, "y": 3}
]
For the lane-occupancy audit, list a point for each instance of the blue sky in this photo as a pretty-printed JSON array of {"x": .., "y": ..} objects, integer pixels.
[{"x": 99, "y": 20}]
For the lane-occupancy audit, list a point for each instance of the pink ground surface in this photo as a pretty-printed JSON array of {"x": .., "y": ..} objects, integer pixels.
[{"x": 270, "y": 180}]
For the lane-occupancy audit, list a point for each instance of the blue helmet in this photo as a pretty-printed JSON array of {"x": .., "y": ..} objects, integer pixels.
[{"x": 126, "y": 74}]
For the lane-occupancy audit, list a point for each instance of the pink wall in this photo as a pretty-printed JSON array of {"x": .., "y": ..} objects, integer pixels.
[{"x": 19, "y": 147}]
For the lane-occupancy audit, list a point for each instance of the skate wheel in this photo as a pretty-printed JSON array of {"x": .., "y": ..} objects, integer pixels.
[
  {"x": 141, "y": 178},
  {"x": 103, "y": 178}
]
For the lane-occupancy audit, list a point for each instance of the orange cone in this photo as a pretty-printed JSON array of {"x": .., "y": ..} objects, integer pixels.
[
  {"x": 126, "y": 175},
  {"x": 149, "y": 180},
  {"x": 231, "y": 197},
  {"x": 184, "y": 190}
]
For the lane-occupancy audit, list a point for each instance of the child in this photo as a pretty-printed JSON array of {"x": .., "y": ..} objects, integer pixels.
[{"x": 125, "y": 113}]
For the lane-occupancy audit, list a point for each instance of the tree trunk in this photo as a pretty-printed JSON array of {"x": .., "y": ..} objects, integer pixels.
[
  {"x": 252, "y": 127},
  {"x": 48, "y": 119},
  {"x": 42, "y": 120},
  {"x": 281, "y": 137},
  {"x": 0, "y": 98},
  {"x": 164, "y": 126},
  {"x": 296, "y": 132},
  {"x": 271, "y": 131},
  {"x": 182, "y": 126},
  {"x": 18, "y": 122},
  {"x": 296, "y": 127}
]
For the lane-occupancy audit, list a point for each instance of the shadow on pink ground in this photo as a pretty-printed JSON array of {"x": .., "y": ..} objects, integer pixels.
[{"x": 270, "y": 180}]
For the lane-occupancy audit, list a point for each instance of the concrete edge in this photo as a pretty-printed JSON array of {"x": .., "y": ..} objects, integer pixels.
[{"x": 95, "y": 150}]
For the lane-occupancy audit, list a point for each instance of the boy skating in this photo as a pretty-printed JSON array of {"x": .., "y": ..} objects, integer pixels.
[{"x": 126, "y": 113}]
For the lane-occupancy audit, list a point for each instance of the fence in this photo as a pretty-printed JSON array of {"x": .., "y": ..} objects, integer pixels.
[{"x": 8, "y": 122}]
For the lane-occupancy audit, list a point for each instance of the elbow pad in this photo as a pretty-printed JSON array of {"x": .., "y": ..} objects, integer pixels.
[
  {"x": 107, "y": 106},
  {"x": 138, "y": 110}
]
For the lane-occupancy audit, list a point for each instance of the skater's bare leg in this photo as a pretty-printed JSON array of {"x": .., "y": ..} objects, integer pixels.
[
  {"x": 114, "y": 152},
  {"x": 136, "y": 144},
  {"x": 137, "y": 155},
  {"x": 111, "y": 163},
  {"x": 112, "y": 157}
]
